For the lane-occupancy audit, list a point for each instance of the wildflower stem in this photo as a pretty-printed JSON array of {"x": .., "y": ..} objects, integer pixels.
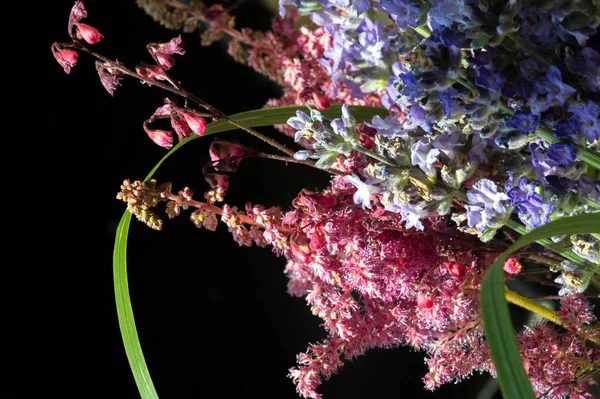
[
  {"x": 569, "y": 255},
  {"x": 466, "y": 84},
  {"x": 176, "y": 89},
  {"x": 291, "y": 160},
  {"x": 525, "y": 303}
]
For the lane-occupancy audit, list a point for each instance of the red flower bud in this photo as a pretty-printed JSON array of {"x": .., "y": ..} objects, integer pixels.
[
  {"x": 456, "y": 269},
  {"x": 321, "y": 101},
  {"x": 512, "y": 266},
  {"x": 87, "y": 33},
  {"x": 423, "y": 302},
  {"x": 65, "y": 57},
  {"x": 195, "y": 122},
  {"x": 153, "y": 72},
  {"x": 162, "y": 51},
  {"x": 181, "y": 128},
  {"x": 161, "y": 137}
]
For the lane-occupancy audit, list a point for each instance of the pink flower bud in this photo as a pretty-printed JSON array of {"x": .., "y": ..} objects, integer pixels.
[
  {"x": 161, "y": 137},
  {"x": 456, "y": 269},
  {"x": 225, "y": 156},
  {"x": 65, "y": 57},
  {"x": 313, "y": 201},
  {"x": 195, "y": 122},
  {"x": 423, "y": 302},
  {"x": 152, "y": 72},
  {"x": 321, "y": 101},
  {"x": 162, "y": 51},
  {"x": 88, "y": 33},
  {"x": 181, "y": 128},
  {"x": 512, "y": 266},
  {"x": 164, "y": 111},
  {"x": 165, "y": 60}
]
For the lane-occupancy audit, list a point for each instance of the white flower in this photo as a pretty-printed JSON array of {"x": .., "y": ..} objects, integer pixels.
[
  {"x": 411, "y": 214},
  {"x": 364, "y": 190}
]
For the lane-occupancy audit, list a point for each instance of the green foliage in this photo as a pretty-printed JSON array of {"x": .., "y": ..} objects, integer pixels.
[{"x": 500, "y": 335}]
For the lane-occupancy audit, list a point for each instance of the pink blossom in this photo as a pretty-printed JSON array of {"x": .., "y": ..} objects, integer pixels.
[
  {"x": 196, "y": 123},
  {"x": 423, "y": 302},
  {"x": 163, "y": 51},
  {"x": 87, "y": 33},
  {"x": 65, "y": 57},
  {"x": 217, "y": 180},
  {"x": 512, "y": 266},
  {"x": 321, "y": 101},
  {"x": 180, "y": 126},
  {"x": 161, "y": 137},
  {"x": 152, "y": 72},
  {"x": 456, "y": 269}
]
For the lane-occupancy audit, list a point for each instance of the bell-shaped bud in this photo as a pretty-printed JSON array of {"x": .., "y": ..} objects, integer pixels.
[
  {"x": 161, "y": 137},
  {"x": 321, "y": 101},
  {"x": 65, "y": 57},
  {"x": 196, "y": 123},
  {"x": 87, "y": 33}
]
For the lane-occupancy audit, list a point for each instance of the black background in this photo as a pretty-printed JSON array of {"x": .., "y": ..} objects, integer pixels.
[{"x": 214, "y": 319}]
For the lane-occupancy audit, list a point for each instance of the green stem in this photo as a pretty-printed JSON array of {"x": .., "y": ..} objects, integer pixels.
[
  {"x": 525, "y": 303},
  {"x": 591, "y": 203},
  {"x": 569, "y": 255},
  {"x": 534, "y": 307},
  {"x": 516, "y": 38},
  {"x": 375, "y": 156}
]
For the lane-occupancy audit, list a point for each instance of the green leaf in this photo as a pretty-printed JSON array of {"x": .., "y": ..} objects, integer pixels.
[
  {"x": 501, "y": 338},
  {"x": 133, "y": 349},
  {"x": 256, "y": 118}
]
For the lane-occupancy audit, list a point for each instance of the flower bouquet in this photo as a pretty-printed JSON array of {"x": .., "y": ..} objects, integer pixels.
[{"x": 461, "y": 140}]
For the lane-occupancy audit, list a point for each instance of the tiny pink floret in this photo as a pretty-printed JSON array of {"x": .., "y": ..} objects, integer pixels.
[
  {"x": 321, "y": 101},
  {"x": 195, "y": 122},
  {"x": 163, "y": 51},
  {"x": 88, "y": 33},
  {"x": 456, "y": 269},
  {"x": 512, "y": 266},
  {"x": 162, "y": 138},
  {"x": 423, "y": 302},
  {"x": 67, "y": 58}
]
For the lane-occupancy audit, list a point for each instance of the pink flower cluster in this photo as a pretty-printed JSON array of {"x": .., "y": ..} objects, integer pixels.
[{"x": 376, "y": 285}]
